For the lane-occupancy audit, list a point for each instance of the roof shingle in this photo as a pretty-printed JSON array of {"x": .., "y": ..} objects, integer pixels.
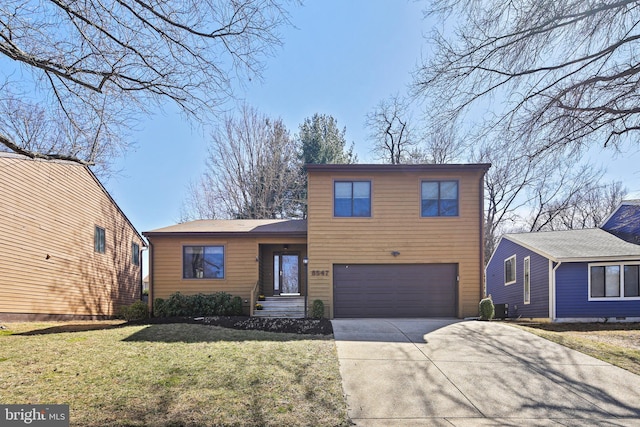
[
  {"x": 587, "y": 244},
  {"x": 225, "y": 226}
]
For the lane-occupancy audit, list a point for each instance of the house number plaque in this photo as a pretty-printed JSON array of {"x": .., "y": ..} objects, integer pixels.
[{"x": 319, "y": 272}]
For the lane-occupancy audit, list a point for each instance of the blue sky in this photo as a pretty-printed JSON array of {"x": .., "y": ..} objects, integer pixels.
[{"x": 342, "y": 58}]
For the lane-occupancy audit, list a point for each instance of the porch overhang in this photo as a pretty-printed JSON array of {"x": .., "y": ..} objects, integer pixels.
[
  {"x": 223, "y": 234},
  {"x": 282, "y": 228}
]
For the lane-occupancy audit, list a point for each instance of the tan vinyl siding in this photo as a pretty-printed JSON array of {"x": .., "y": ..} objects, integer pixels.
[
  {"x": 396, "y": 225},
  {"x": 242, "y": 264},
  {"x": 48, "y": 266}
]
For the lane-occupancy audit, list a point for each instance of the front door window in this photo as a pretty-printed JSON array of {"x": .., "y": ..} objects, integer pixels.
[{"x": 286, "y": 274}]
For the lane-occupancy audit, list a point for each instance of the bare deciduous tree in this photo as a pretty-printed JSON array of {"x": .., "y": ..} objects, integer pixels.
[
  {"x": 254, "y": 172},
  {"x": 391, "y": 131},
  {"x": 202, "y": 201},
  {"x": 506, "y": 184},
  {"x": 559, "y": 74},
  {"x": 440, "y": 144},
  {"x": 92, "y": 67},
  {"x": 524, "y": 193},
  {"x": 581, "y": 202}
]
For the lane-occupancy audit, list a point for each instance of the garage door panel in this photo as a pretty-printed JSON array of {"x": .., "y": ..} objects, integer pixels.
[{"x": 395, "y": 290}]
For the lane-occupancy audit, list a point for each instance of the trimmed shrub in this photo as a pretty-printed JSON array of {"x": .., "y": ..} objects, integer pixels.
[
  {"x": 136, "y": 311},
  {"x": 176, "y": 305},
  {"x": 159, "y": 308},
  {"x": 317, "y": 309},
  {"x": 179, "y": 305},
  {"x": 236, "y": 306},
  {"x": 487, "y": 309}
]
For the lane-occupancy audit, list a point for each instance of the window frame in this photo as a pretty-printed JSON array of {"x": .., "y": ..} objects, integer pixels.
[
  {"x": 513, "y": 263},
  {"x": 621, "y": 282},
  {"x": 99, "y": 240},
  {"x": 135, "y": 254},
  {"x": 440, "y": 182},
  {"x": 526, "y": 280},
  {"x": 352, "y": 182},
  {"x": 224, "y": 261}
]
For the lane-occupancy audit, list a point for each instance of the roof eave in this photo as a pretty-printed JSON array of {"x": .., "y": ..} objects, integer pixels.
[
  {"x": 224, "y": 234},
  {"x": 370, "y": 168},
  {"x": 601, "y": 258}
]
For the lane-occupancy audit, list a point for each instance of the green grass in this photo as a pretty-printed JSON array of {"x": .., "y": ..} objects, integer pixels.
[
  {"x": 176, "y": 374},
  {"x": 613, "y": 343}
]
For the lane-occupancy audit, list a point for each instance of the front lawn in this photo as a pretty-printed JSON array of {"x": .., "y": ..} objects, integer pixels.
[
  {"x": 173, "y": 375},
  {"x": 615, "y": 343}
]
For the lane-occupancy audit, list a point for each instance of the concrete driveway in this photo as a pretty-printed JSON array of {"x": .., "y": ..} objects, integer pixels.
[{"x": 433, "y": 372}]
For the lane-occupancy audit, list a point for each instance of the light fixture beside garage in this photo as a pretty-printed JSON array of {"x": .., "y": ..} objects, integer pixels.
[{"x": 395, "y": 253}]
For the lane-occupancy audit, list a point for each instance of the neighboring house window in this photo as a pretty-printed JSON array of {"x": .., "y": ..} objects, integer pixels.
[
  {"x": 527, "y": 280},
  {"x": 632, "y": 280},
  {"x": 614, "y": 281},
  {"x": 203, "y": 262},
  {"x": 439, "y": 198},
  {"x": 352, "y": 199},
  {"x": 510, "y": 270},
  {"x": 135, "y": 253},
  {"x": 99, "y": 240}
]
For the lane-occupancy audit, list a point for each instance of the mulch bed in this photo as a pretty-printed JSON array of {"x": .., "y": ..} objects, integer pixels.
[{"x": 282, "y": 325}]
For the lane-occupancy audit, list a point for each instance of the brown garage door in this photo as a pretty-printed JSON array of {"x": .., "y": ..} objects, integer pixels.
[{"x": 396, "y": 290}]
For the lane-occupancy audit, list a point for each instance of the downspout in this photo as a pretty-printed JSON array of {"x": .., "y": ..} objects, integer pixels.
[
  {"x": 482, "y": 237},
  {"x": 150, "y": 302},
  {"x": 553, "y": 295},
  {"x": 141, "y": 270}
]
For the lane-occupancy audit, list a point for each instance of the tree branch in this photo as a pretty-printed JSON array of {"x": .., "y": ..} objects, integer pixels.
[{"x": 35, "y": 155}]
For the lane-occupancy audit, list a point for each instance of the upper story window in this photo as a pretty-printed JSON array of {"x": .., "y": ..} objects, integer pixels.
[
  {"x": 439, "y": 198},
  {"x": 614, "y": 281},
  {"x": 510, "y": 270},
  {"x": 352, "y": 199},
  {"x": 99, "y": 240},
  {"x": 135, "y": 253},
  {"x": 203, "y": 262}
]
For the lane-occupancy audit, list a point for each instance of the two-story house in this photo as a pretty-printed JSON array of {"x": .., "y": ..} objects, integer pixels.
[{"x": 380, "y": 241}]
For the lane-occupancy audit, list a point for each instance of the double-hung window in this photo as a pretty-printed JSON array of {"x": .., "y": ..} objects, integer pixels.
[
  {"x": 439, "y": 198},
  {"x": 510, "y": 270},
  {"x": 203, "y": 262},
  {"x": 619, "y": 280},
  {"x": 352, "y": 199}
]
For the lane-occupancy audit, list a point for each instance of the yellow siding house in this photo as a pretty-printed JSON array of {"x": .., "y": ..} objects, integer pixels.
[{"x": 379, "y": 241}]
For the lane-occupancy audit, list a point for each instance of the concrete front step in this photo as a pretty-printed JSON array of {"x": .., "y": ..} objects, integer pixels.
[
  {"x": 280, "y": 314},
  {"x": 282, "y": 306}
]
